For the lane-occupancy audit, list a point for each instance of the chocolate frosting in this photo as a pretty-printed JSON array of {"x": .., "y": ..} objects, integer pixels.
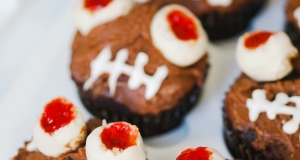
[
  {"x": 133, "y": 33},
  {"x": 79, "y": 154},
  {"x": 269, "y": 136},
  {"x": 291, "y": 6}
]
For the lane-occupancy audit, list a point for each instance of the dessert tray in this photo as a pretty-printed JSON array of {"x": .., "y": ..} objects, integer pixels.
[{"x": 35, "y": 53}]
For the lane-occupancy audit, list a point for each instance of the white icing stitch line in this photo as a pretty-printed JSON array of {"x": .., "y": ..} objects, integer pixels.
[
  {"x": 259, "y": 104},
  {"x": 297, "y": 15},
  {"x": 223, "y": 3},
  {"x": 137, "y": 75}
]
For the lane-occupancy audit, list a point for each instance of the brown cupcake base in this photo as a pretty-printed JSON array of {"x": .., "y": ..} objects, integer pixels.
[
  {"x": 149, "y": 124},
  {"x": 239, "y": 143},
  {"x": 294, "y": 34},
  {"x": 219, "y": 26}
]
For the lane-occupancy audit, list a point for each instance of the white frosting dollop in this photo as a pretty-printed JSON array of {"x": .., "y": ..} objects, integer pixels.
[
  {"x": 176, "y": 51},
  {"x": 96, "y": 150},
  {"x": 269, "y": 61},
  {"x": 86, "y": 20},
  {"x": 223, "y": 3},
  {"x": 297, "y": 15},
  {"x": 63, "y": 140}
]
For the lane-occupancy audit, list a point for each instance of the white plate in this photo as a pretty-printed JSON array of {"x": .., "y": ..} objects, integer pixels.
[{"x": 34, "y": 68}]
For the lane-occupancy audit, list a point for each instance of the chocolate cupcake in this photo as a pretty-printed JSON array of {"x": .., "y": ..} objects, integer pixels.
[
  {"x": 60, "y": 134},
  {"x": 224, "y": 18},
  {"x": 261, "y": 110},
  {"x": 146, "y": 67},
  {"x": 292, "y": 25}
]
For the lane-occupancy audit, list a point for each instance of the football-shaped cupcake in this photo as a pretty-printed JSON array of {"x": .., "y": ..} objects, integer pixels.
[
  {"x": 146, "y": 67},
  {"x": 261, "y": 110}
]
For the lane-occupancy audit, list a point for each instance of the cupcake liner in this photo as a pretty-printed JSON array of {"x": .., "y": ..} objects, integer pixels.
[
  {"x": 239, "y": 143},
  {"x": 149, "y": 124},
  {"x": 293, "y": 32},
  {"x": 220, "y": 26}
]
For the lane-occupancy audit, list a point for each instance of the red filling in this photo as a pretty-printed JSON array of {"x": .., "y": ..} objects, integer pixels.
[
  {"x": 119, "y": 135},
  {"x": 183, "y": 26},
  {"x": 256, "y": 39},
  {"x": 93, "y": 5},
  {"x": 57, "y": 114},
  {"x": 200, "y": 153}
]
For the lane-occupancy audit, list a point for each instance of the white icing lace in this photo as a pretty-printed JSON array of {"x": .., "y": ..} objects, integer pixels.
[
  {"x": 259, "y": 104},
  {"x": 137, "y": 75}
]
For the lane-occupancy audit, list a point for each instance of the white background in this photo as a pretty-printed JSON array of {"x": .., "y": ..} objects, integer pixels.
[{"x": 35, "y": 42}]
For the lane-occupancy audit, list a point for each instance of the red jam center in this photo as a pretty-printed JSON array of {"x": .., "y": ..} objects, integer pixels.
[
  {"x": 94, "y": 5},
  {"x": 57, "y": 114},
  {"x": 200, "y": 153},
  {"x": 183, "y": 26},
  {"x": 256, "y": 39},
  {"x": 119, "y": 135}
]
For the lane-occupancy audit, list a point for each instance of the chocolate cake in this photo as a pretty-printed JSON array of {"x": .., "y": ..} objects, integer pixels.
[
  {"x": 224, "y": 18},
  {"x": 292, "y": 25},
  {"x": 255, "y": 125},
  {"x": 79, "y": 154},
  {"x": 175, "y": 96}
]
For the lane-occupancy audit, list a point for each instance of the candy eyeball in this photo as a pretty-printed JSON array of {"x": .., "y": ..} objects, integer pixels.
[
  {"x": 90, "y": 13},
  {"x": 60, "y": 129},
  {"x": 200, "y": 153},
  {"x": 179, "y": 35},
  {"x": 265, "y": 56},
  {"x": 115, "y": 141}
]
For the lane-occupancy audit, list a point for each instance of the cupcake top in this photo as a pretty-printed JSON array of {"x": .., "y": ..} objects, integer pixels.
[
  {"x": 292, "y": 10},
  {"x": 60, "y": 129},
  {"x": 200, "y": 153},
  {"x": 134, "y": 48},
  {"x": 268, "y": 109},
  {"x": 60, "y": 133}
]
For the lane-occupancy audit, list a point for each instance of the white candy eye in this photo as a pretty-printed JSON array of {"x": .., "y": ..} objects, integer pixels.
[
  {"x": 91, "y": 13},
  {"x": 60, "y": 129},
  {"x": 179, "y": 35},
  {"x": 115, "y": 141},
  {"x": 207, "y": 152},
  {"x": 265, "y": 56}
]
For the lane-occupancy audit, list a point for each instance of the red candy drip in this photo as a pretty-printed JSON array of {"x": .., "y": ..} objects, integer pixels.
[
  {"x": 57, "y": 114},
  {"x": 94, "y": 5},
  {"x": 183, "y": 26},
  {"x": 200, "y": 153},
  {"x": 256, "y": 39},
  {"x": 119, "y": 135}
]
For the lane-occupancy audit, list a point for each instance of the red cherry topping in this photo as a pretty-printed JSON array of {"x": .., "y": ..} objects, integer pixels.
[
  {"x": 57, "y": 114},
  {"x": 94, "y": 5},
  {"x": 200, "y": 153},
  {"x": 256, "y": 39},
  {"x": 182, "y": 25},
  {"x": 119, "y": 135}
]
